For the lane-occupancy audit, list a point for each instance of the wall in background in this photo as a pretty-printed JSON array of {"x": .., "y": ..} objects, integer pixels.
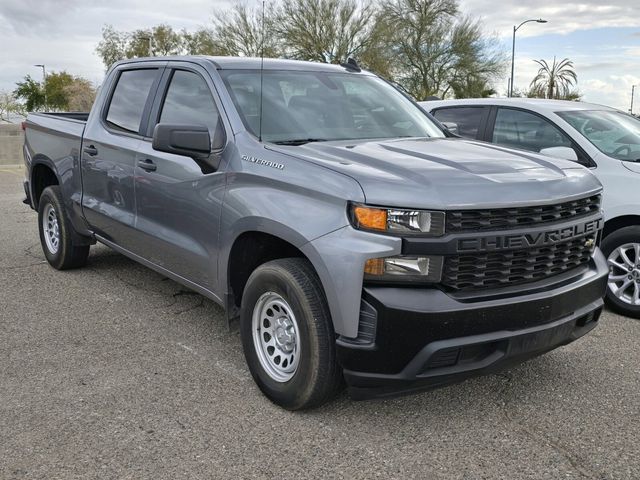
[{"x": 11, "y": 139}]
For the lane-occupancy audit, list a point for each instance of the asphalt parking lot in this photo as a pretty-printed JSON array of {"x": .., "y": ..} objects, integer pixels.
[{"x": 113, "y": 371}]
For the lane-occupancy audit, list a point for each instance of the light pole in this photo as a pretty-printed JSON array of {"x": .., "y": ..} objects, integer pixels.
[
  {"x": 633, "y": 89},
  {"x": 44, "y": 84},
  {"x": 513, "y": 48}
]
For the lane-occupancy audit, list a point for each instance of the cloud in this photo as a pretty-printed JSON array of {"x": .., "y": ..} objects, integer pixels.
[
  {"x": 562, "y": 17},
  {"x": 612, "y": 90},
  {"x": 63, "y": 35}
]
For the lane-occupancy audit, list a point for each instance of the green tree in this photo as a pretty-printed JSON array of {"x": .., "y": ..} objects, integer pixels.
[
  {"x": 57, "y": 83},
  {"x": 439, "y": 52},
  {"x": 156, "y": 41},
  {"x": 63, "y": 92},
  {"x": 556, "y": 80},
  {"x": 31, "y": 93},
  {"x": 200, "y": 42},
  {"x": 240, "y": 31},
  {"x": 113, "y": 46},
  {"x": 331, "y": 31}
]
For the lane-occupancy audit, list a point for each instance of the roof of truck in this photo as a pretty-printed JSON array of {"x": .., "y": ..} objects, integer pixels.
[{"x": 245, "y": 63}]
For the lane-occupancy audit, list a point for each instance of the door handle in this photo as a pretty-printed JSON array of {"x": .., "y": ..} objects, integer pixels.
[
  {"x": 147, "y": 165},
  {"x": 90, "y": 150}
]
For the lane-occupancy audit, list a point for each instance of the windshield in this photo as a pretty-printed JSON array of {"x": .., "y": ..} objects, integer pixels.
[
  {"x": 315, "y": 106},
  {"x": 615, "y": 134}
]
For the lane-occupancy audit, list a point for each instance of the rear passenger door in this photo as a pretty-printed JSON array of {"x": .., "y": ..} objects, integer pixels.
[
  {"x": 109, "y": 148},
  {"x": 471, "y": 121},
  {"x": 178, "y": 200}
]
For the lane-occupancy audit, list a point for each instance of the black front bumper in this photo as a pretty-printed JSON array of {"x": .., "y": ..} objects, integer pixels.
[{"x": 425, "y": 338}]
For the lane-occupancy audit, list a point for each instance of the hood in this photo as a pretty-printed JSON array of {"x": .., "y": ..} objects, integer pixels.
[{"x": 448, "y": 173}]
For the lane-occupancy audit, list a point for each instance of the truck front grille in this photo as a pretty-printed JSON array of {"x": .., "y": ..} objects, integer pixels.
[
  {"x": 505, "y": 218},
  {"x": 496, "y": 269}
]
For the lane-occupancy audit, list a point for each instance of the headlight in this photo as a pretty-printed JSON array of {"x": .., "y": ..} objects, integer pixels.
[
  {"x": 404, "y": 269},
  {"x": 417, "y": 222}
]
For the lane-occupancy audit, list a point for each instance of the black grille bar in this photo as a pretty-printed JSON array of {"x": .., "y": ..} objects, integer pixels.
[
  {"x": 496, "y": 269},
  {"x": 505, "y": 218}
]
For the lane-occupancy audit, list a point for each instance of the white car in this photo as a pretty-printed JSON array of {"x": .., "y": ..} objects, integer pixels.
[{"x": 601, "y": 138}]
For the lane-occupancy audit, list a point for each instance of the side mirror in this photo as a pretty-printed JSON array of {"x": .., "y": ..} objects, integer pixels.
[
  {"x": 565, "y": 153},
  {"x": 451, "y": 126},
  {"x": 189, "y": 140}
]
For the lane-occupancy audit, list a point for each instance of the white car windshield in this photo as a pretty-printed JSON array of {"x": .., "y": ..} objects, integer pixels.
[
  {"x": 300, "y": 107},
  {"x": 615, "y": 134}
]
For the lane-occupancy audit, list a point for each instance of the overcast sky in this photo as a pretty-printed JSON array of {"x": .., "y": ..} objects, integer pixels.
[{"x": 603, "y": 40}]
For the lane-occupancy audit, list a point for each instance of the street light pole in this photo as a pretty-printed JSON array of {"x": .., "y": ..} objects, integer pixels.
[
  {"x": 633, "y": 88},
  {"x": 513, "y": 48},
  {"x": 44, "y": 84}
]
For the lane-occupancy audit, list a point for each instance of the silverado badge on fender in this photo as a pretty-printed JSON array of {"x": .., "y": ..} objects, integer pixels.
[{"x": 261, "y": 161}]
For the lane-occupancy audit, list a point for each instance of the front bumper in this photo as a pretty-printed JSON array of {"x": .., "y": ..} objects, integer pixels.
[{"x": 425, "y": 338}]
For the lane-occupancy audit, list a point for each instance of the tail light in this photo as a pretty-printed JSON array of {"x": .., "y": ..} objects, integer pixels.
[{"x": 23, "y": 125}]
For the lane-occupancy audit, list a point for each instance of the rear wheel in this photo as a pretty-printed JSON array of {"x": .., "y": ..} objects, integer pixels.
[
  {"x": 56, "y": 232},
  {"x": 287, "y": 334},
  {"x": 622, "y": 249}
]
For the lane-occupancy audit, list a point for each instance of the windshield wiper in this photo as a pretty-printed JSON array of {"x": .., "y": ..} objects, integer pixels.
[{"x": 299, "y": 141}]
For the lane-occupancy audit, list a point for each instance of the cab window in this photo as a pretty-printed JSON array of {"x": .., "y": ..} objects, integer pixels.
[
  {"x": 189, "y": 102},
  {"x": 468, "y": 119},
  {"x": 519, "y": 129},
  {"x": 129, "y": 98}
]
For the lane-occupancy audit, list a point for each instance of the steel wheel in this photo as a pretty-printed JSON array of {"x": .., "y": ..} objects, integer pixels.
[
  {"x": 624, "y": 273},
  {"x": 51, "y": 228},
  {"x": 276, "y": 336}
]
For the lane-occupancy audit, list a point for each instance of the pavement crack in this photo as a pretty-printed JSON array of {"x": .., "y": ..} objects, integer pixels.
[
  {"x": 28, "y": 251},
  {"x": 24, "y": 267},
  {"x": 540, "y": 437},
  {"x": 191, "y": 308}
]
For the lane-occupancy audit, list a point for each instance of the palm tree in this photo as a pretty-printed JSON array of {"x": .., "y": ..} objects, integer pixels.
[{"x": 555, "y": 81}]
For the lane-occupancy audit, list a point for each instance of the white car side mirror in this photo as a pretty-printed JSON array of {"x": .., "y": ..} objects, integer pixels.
[
  {"x": 565, "y": 153},
  {"x": 451, "y": 126}
]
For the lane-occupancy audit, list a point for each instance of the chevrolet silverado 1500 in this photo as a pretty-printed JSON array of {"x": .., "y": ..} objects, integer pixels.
[{"x": 349, "y": 234}]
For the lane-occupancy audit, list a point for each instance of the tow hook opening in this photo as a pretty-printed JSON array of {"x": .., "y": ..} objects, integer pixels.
[{"x": 590, "y": 317}]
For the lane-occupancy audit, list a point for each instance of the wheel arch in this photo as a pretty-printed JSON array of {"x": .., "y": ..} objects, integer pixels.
[
  {"x": 619, "y": 222},
  {"x": 250, "y": 248},
  {"x": 43, "y": 174}
]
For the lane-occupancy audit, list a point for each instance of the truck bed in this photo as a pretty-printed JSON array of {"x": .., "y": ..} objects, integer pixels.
[{"x": 57, "y": 136}]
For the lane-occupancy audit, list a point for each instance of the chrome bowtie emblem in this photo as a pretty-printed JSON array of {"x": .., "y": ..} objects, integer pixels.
[{"x": 590, "y": 243}]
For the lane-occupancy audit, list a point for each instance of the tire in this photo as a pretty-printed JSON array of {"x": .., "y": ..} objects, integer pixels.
[
  {"x": 625, "y": 239},
  {"x": 282, "y": 294},
  {"x": 56, "y": 232}
]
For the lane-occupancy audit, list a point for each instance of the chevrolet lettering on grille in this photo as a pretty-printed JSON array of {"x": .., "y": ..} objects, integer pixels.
[{"x": 529, "y": 240}]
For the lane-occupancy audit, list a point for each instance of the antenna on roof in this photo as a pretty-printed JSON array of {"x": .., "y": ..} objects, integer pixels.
[
  {"x": 261, "y": 71},
  {"x": 351, "y": 65}
]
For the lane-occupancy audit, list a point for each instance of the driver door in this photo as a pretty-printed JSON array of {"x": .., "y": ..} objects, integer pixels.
[{"x": 178, "y": 200}]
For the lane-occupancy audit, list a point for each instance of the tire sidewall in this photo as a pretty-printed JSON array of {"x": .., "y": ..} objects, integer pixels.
[
  {"x": 291, "y": 393},
  {"x": 49, "y": 197},
  {"x": 609, "y": 244}
]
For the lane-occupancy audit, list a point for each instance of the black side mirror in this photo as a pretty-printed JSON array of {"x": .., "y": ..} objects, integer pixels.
[{"x": 188, "y": 140}]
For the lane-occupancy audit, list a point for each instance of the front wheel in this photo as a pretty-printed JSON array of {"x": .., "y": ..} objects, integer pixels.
[
  {"x": 287, "y": 334},
  {"x": 622, "y": 249}
]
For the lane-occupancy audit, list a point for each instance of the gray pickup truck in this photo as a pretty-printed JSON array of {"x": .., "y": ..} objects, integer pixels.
[{"x": 350, "y": 235}]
